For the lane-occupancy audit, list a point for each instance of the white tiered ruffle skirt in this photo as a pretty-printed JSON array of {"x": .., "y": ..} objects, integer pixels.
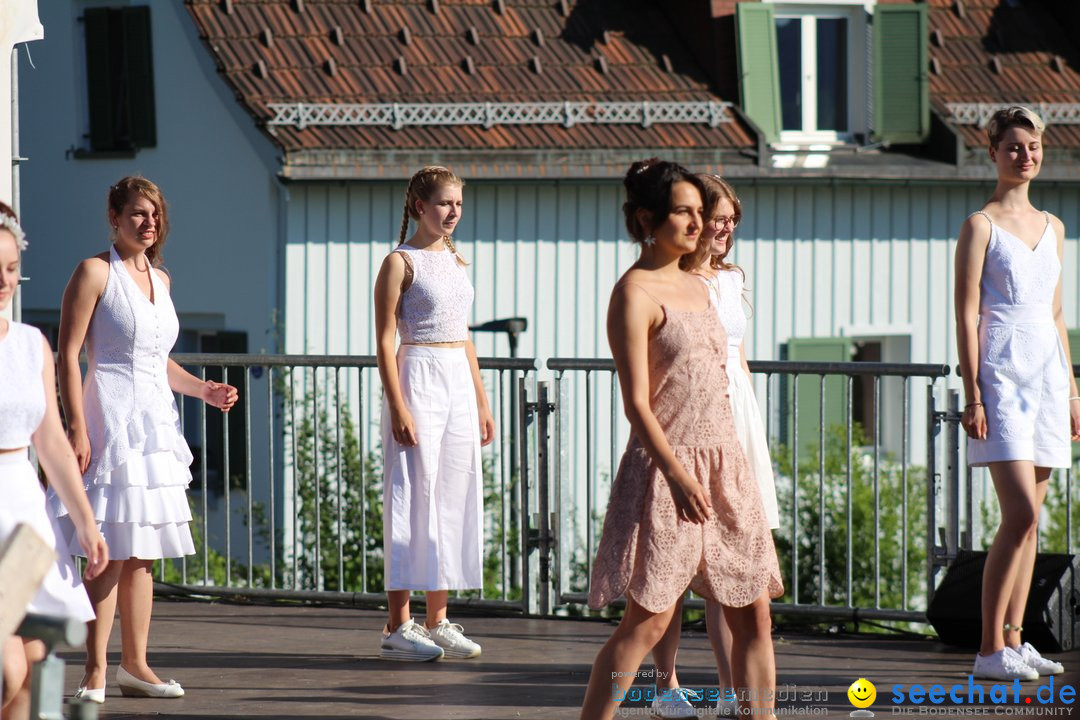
[
  {"x": 62, "y": 592},
  {"x": 141, "y": 505}
]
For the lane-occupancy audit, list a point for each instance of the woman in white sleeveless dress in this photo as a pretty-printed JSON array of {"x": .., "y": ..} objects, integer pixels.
[
  {"x": 726, "y": 283},
  {"x": 28, "y": 415},
  {"x": 435, "y": 418},
  {"x": 125, "y": 429},
  {"x": 1022, "y": 403}
]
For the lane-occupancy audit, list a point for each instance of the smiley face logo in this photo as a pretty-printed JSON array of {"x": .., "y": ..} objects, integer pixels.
[{"x": 862, "y": 693}]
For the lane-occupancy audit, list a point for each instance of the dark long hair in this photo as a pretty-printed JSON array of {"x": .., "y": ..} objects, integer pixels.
[{"x": 648, "y": 186}]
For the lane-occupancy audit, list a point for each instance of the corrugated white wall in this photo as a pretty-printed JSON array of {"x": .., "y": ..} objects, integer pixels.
[{"x": 821, "y": 260}]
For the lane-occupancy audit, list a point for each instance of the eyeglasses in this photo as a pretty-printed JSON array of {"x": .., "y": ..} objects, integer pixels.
[{"x": 732, "y": 220}]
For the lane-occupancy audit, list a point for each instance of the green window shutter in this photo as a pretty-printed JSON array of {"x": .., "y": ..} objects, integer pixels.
[
  {"x": 809, "y": 394},
  {"x": 1074, "y": 346},
  {"x": 99, "y": 78},
  {"x": 139, "y": 74},
  {"x": 901, "y": 73},
  {"x": 759, "y": 80}
]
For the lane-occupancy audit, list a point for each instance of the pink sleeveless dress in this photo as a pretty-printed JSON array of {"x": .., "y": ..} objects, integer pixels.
[{"x": 646, "y": 551}]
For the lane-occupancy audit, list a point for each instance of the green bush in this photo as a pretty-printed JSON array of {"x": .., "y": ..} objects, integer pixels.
[{"x": 890, "y": 532}]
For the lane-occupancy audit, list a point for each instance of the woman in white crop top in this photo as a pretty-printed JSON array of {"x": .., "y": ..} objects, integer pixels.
[
  {"x": 29, "y": 415},
  {"x": 1022, "y": 404},
  {"x": 435, "y": 419},
  {"x": 125, "y": 429}
]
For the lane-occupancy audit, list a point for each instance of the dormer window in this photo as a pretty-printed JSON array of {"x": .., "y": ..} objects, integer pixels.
[
  {"x": 834, "y": 72},
  {"x": 821, "y": 99}
]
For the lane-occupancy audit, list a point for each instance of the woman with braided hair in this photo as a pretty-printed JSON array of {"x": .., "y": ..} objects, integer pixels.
[{"x": 435, "y": 419}]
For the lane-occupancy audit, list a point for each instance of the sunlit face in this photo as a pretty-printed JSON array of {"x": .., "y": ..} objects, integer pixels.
[
  {"x": 718, "y": 230},
  {"x": 136, "y": 224},
  {"x": 9, "y": 268},
  {"x": 440, "y": 213},
  {"x": 679, "y": 233},
  {"x": 1018, "y": 154}
]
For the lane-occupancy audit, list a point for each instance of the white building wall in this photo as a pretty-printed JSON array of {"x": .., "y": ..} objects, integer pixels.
[{"x": 217, "y": 171}]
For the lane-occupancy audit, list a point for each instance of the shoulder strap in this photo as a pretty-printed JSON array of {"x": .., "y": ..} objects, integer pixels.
[
  {"x": 980, "y": 212},
  {"x": 640, "y": 287}
]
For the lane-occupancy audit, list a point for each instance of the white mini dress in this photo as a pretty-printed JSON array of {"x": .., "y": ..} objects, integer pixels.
[
  {"x": 1023, "y": 374},
  {"x": 22, "y": 408},
  {"x": 138, "y": 474},
  {"x": 726, "y": 289}
]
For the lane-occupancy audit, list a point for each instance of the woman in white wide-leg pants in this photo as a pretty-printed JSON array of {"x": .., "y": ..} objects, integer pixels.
[{"x": 435, "y": 418}]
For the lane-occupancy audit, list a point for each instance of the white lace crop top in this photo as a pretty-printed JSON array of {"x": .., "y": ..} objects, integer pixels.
[
  {"x": 435, "y": 307},
  {"x": 22, "y": 400}
]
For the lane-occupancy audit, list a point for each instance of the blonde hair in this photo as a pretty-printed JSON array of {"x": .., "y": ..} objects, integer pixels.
[
  {"x": 1013, "y": 116},
  {"x": 121, "y": 194},
  {"x": 422, "y": 186}
]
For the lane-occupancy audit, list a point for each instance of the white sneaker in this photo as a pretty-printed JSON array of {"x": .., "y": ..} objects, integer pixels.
[
  {"x": 449, "y": 637},
  {"x": 674, "y": 702},
  {"x": 410, "y": 642},
  {"x": 1037, "y": 662},
  {"x": 726, "y": 704},
  {"x": 1005, "y": 664}
]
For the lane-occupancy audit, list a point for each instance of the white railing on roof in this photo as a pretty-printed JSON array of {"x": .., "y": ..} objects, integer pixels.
[
  {"x": 568, "y": 114},
  {"x": 980, "y": 113}
]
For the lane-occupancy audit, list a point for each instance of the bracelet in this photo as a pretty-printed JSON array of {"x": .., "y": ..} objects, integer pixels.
[
  {"x": 973, "y": 404},
  {"x": 1074, "y": 397}
]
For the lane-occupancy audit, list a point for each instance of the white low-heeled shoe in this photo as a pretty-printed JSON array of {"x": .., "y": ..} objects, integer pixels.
[
  {"x": 95, "y": 695},
  {"x": 131, "y": 686}
]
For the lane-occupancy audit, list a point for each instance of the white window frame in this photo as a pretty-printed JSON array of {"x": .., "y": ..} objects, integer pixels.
[{"x": 857, "y": 13}]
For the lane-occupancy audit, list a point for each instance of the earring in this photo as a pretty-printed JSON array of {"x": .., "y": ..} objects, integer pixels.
[{"x": 650, "y": 240}]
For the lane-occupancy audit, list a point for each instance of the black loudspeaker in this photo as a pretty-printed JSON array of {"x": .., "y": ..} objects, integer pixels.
[{"x": 1052, "y": 616}]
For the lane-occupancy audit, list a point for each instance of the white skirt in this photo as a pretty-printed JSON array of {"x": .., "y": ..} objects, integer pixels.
[
  {"x": 62, "y": 593},
  {"x": 141, "y": 508},
  {"x": 1024, "y": 381},
  {"x": 751, "y": 434},
  {"x": 432, "y": 493}
]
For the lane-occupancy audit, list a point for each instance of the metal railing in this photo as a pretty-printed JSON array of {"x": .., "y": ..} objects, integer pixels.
[
  {"x": 811, "y": 483},
  {"x": 287, "y": 489},
  {"x": 287, "y": 492}
]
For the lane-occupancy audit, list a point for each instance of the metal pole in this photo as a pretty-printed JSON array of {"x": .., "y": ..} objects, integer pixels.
[
  {"x": 523, "y": 419},
  {"x": 16, "y": 303},
  {"x": 952, "y": 487},
  {"x": 544, "y": 409},
  {"x": 933, "y": 480}
]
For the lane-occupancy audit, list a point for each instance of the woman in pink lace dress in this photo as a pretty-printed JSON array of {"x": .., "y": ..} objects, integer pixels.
[{"x": 684, "y": 510}]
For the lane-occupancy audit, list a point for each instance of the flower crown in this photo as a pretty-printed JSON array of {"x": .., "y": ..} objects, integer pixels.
[{"x": 10, "y": 224}]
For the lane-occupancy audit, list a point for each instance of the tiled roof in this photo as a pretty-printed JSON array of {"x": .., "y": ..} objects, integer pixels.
[
  {"x": 1005, "y": 51},
  {"x": 426, "y": 51}
]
